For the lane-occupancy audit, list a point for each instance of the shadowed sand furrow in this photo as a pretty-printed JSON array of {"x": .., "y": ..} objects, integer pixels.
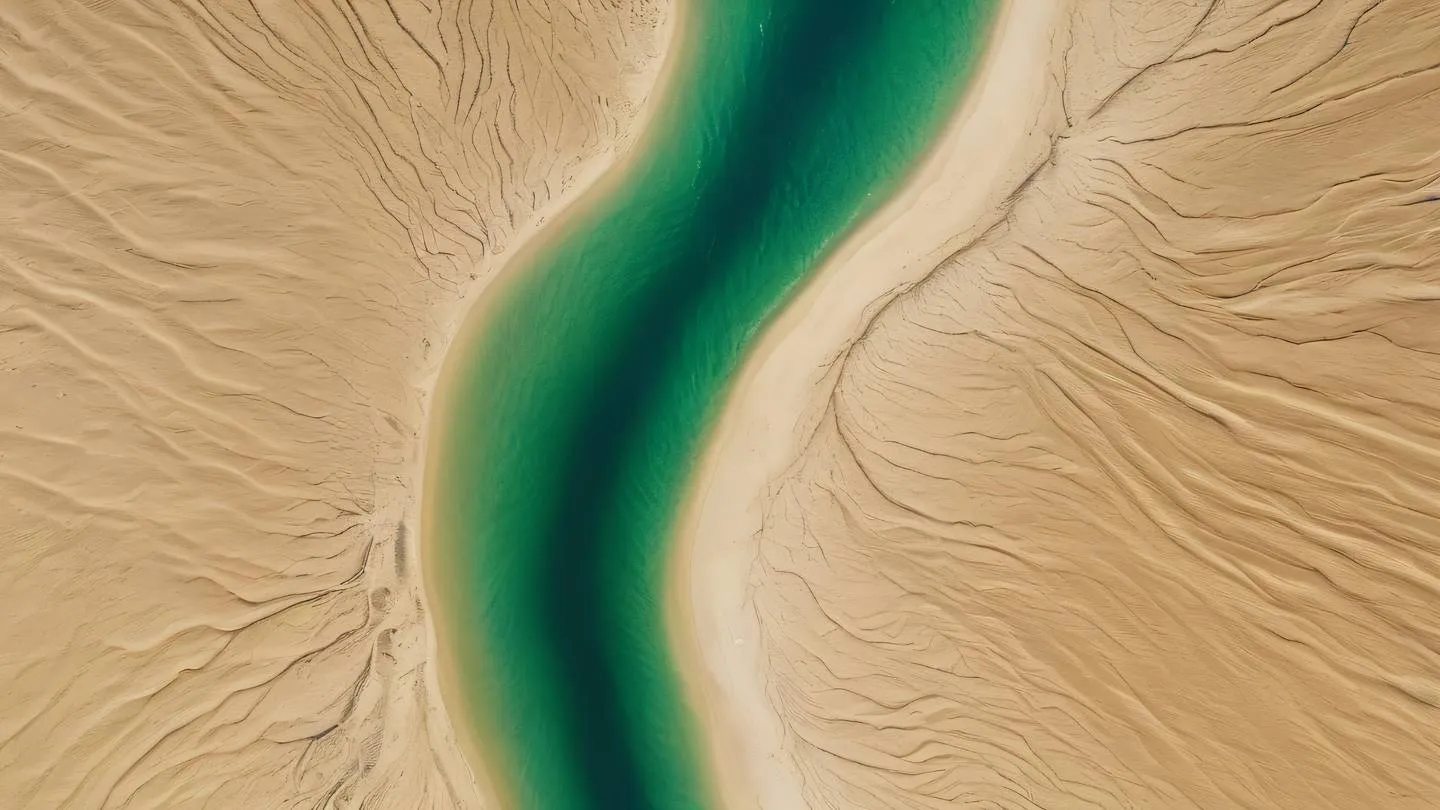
[
  {"x": 234, "y": 240},
  {"x": 1132, "y": 503}
]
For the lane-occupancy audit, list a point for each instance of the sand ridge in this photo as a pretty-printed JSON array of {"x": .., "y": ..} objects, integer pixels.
[{"x": 235, "y": 241}]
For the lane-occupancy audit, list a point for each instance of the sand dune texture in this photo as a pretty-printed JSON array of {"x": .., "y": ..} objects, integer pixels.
[
  {"x": 234, "y": 239},
  {"x": 1135, "y": 501}
]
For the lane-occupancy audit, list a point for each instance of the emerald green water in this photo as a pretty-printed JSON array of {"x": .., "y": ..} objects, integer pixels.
[{"x": 577, "y": 417}]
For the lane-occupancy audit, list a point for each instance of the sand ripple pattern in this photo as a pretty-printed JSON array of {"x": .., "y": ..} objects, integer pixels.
[
  {"x": 232, "y": 238},
  {"x": 1135, "y": 502}
]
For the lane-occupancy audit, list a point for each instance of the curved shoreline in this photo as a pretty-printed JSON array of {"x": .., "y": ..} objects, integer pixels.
[
  {"x": 970, "y": 56},
  {"x": 600, "y": 180},
  {"x": 955, "y": 193}
]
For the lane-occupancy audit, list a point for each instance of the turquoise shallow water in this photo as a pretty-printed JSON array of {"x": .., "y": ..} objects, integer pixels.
[{"x": 576, "y": 419}]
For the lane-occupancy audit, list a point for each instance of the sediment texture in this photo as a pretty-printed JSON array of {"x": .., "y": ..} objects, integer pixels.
[
  {"x": 233, "y": 237},
  {"x": 1134, "y": 503}
]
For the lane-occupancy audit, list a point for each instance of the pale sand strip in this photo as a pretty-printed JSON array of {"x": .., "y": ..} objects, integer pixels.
[
  {"x": 594, "y": 187},
  {"x": 1002, "y": 133}
]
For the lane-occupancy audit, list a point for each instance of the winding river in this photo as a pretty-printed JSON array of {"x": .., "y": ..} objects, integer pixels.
[{"x": 582, "y": 396}]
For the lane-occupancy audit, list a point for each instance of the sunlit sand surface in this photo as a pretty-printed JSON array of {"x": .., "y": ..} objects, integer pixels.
[{"x": 234, "y": 241}]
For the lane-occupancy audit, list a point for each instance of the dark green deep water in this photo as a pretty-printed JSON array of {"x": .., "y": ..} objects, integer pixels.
[{"x": 576, "y": 418}]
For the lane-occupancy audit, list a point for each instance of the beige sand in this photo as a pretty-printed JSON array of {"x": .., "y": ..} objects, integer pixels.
[
  {"x": 235, "y": 239},
  {"x": 1132, "y": 503}
]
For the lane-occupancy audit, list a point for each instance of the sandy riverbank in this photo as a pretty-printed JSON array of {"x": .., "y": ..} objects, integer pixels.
[
  {"x": 235, "y": 239},
  {"x": 1001, "y": 133}
]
